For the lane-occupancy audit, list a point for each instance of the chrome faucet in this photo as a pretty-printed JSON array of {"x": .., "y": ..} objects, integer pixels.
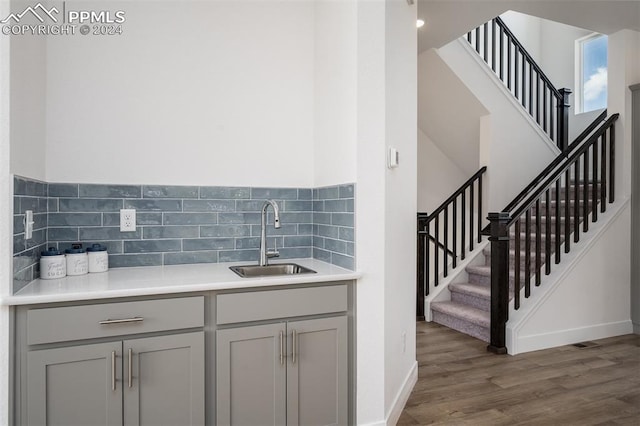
[{"x": 264, "y": 253}]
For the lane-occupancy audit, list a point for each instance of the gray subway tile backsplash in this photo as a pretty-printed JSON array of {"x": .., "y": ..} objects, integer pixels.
[
  {"x": 110, "y": 191},
  {"x": 334, "y": 225},
  {"x": 181, "y": 224},
  {"x": 158, "y": 191}
]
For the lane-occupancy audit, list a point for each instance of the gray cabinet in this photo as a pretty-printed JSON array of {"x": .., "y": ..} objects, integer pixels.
[
  {"x": 251, "y": 376},
  {"x": 289, "y": 372},
  {"x": 79, "y": 385},
  {"x": 163, "y": 380},
  {"x": 138, "y": 381},
  {"x": 317, "y": 372}
]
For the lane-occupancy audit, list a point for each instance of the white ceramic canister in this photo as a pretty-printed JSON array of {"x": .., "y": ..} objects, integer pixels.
[
  {"x": 77, "y": 260},
  {"x": 98, "y": 258},
  {"x": 52, "y": 264}
]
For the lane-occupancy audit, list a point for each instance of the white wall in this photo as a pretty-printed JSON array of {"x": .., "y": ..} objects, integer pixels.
[
  {"x": 400, "y": 206},
  {"x": 371, "y": 235},
  {"x": 438, "y": 176},
  {"x": 587, "y": 298},
  {"x": 517, "y": 151},
  {"x": 386, "y": 253},
  {"x": 28, "y": 91},
  {"x": 203, "y": 92},
  {"x": 335, "y": 131},
  {"x": 448, "y": 112}
]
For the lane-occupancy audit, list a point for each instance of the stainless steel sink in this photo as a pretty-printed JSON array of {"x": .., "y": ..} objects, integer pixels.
[{"x": 252, "y": 271}]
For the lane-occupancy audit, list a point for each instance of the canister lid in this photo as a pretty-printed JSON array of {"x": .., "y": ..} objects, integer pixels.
[
  {"x": 96, "y": 247},
  {"x": 75, "y": 249},
  {"x": 51, "y": 251}
]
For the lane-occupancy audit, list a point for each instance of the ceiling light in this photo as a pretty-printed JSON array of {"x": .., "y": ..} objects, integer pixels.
[{"x": 419, "y": 23}]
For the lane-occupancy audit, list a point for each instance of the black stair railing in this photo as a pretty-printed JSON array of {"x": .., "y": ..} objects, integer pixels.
[
  {"x": 438, "y": 235},
  {"x": 565, "y": 199},
  {"x": 523, "y": 77}
]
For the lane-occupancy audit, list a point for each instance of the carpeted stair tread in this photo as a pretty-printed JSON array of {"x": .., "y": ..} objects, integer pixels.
[{"x": 463, "y": 312}]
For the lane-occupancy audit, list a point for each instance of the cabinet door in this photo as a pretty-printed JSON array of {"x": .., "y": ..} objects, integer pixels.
[
  {"x": 164, "y": 380},
  {"x": 251, "y": 375},
  {"x": 79, "y": 385},
  {"x": 317, "y": 378}
]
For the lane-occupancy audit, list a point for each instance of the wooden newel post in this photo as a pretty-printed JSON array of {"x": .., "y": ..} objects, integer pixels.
[
  {"x": 563, "y": 119},
  {"x": 499, "y": 281}
]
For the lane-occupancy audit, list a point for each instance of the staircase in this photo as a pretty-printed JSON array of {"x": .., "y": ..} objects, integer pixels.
[
  {"x": 469, "y": 310},
  {"x": 533, "y": 231}
]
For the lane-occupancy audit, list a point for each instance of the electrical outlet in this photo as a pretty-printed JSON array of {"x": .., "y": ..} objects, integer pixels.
[{"x": 127, "y": 220}]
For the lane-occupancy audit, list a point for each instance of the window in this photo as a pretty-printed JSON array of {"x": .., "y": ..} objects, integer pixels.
[{"x": 591, "y": 73}]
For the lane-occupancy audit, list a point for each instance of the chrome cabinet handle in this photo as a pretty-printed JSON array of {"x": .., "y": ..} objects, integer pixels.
[
  {"x": 130, "y": 368},
  {"x": 121, "y": 321},
  {"x": 113, "y": 370},
  {"x": 294, "y": 336},
  {"x": 281, "y": 348}
]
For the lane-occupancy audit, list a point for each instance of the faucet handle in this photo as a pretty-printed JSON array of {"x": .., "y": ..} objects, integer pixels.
[{"x": 274, "y": 252}]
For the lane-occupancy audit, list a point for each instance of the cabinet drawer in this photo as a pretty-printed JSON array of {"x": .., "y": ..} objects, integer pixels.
[
  {"x": 67, "y": 323},
  {"x": 264, "y": 305}
]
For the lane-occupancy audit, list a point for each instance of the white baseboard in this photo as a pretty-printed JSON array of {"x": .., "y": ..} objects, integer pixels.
[
  {"x": 636, "y": 328},
  {"x": 402, "y": 396},
  {"x": 575, "y": 335}
]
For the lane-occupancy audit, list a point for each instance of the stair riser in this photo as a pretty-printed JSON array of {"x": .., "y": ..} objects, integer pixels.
[
  {"x": 469, "y": 300},
  {"x": 486, "y": 280},
  {"x": 462, "y": 325},
  {"x": 512, "y": 261}
]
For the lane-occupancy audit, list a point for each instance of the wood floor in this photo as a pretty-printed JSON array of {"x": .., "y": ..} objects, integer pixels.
[{"x": 460, "y": 383}]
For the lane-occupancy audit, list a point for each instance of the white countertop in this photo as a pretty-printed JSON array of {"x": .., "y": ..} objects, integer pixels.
[{"x": 149, "y": 280}]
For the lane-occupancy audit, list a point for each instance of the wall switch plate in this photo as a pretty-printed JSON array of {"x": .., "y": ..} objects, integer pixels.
[
  {"x": 127, "y": 220},
  {"x": 28, "y": 224}
]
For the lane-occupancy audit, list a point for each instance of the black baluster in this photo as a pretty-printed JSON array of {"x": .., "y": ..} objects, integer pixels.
[
  {"x": 421, "y": 288},
  {"x": 547, "y": 245},
  {"x": 455, "y": 231},
  {"x": 445, "y": 257},
  {"x": 486, "y": 42},
  {"x": 544, "y": 107},
  {"x": 567, "y": 211},
  {"x": 479, "y": 209},
  {"x": 524, "y": 80},
  {"x": 516, "y": 286},
  {"x": 538, "y": 244},
  {"x": 558, "y": 222},
  {"x": 527, "y": 259},
  {"x": 538, "y": 97},
  {"x": 531, "y": 89},
  {"x": 493, "y": 45},
  {"x": 516, "y": 71},
  {"x": 576, "y": 201},
  {"x": 612, "y": 161},
  {"x": 585, "y": 191},
  {"x": 552, "y": 110},
  {"x": 478, "y": 39},
  {"x": 501, "y": 54},
  {"x": 436, "y": 252},
  {"x": 463, "y": 229},
  {"x": 594, "y": 182},
  {"x": 471, "y": 202},
  {"x": 427, "y": 256},
  {"x": 603, "y": 173},
  {"x": 469, "y": 37},
  {"x": 508, "y": 63}
]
